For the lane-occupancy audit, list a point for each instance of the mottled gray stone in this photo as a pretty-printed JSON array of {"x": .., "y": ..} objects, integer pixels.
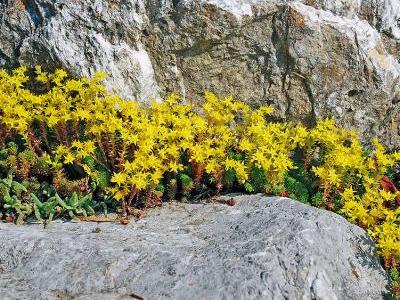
[
  {"x": 261, "y": 248},
  {"x": 83, "y": 37}
]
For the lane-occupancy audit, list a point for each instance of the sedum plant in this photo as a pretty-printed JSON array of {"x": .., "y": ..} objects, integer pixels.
[
  {"x": 11, "y": 198},
  {"x": 77, "y": 140},
  {"x": 77, "y": 205},
  {"x": 45, "y": 211}
]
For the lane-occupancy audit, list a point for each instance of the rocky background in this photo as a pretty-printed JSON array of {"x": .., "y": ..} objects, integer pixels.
[{"x": 309, "y": 58}]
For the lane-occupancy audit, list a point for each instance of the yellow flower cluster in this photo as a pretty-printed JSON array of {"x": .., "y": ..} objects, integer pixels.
[
  {"x": 152, "y": 141},
  {"x": 270, "y": 146},
  {"x": 140, "y": 144},
  {"x": 348, "y": 173},
  {"x": 77, "y": 123},
  {"x": 216, "y": 135}
]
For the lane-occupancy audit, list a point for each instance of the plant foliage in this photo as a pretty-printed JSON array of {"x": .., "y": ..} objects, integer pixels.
[{"x": 72, "y": 147}]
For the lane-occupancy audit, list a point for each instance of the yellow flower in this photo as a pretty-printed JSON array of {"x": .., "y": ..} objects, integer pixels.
[
  {"x": 246, "y": 145},
  {"x": 69, "y": 158},
  {"x": 78, "y": 145},
  {"x": 156, "y": 176},
  {"x": 119, "y": 178},
  {"x": 333, "y": 178},
  {"x": 139, "y": 180},
  {"x": 174, "y": 167},
  {"x": 61, "y": 150},
  {"x": 89, "y": 147}
]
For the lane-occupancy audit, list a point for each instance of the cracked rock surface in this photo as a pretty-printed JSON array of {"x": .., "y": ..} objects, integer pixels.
[
  {"x": 308, "y": 58},
  {"x": 261, "y": 248}
]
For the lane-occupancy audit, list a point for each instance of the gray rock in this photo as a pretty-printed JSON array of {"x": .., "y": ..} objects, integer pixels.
[
  {"x": 307, "y": 62},
  {"x": 309, "y": 58},
  {"x": 83, "y": 37},
  {"x": 261, "y": 248}
]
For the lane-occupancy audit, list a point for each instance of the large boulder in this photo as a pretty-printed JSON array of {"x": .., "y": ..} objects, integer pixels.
[
  {"x": 261, "y": 248},
  {"x": 309, "y": 58}
]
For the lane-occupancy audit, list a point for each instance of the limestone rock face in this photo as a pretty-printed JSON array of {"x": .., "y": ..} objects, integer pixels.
[
  {"x": 309, "y": 59},
  {"x": 83, "y": 37},
  {"x": 261, "y": 248}
]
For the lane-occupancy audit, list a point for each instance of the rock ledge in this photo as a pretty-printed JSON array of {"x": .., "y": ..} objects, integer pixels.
[{"x": 269, "y": 248}]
